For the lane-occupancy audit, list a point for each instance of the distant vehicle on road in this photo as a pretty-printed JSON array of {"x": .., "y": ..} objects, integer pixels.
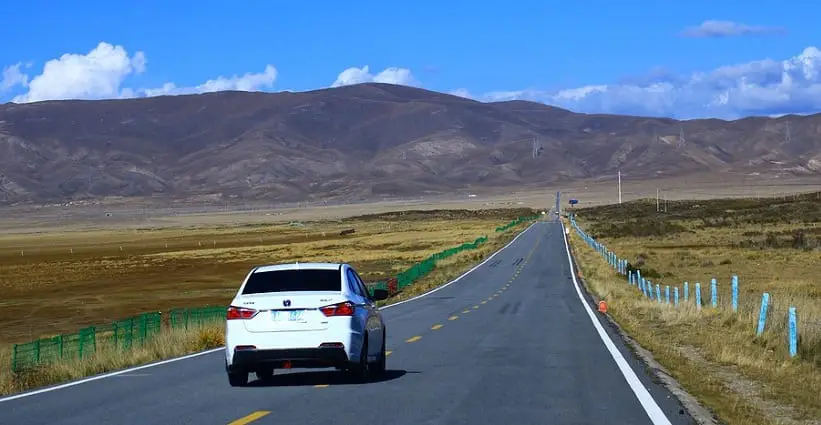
[{"x": 304, "y": 315}]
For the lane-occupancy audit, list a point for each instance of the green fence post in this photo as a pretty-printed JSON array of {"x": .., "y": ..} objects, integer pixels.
[
  {"x": 14, "y": 359},
  {"x": 142, "y": 328}
]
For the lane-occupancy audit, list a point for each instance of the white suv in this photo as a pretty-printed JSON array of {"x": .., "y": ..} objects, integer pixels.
[{"x": 303, "y": 315}]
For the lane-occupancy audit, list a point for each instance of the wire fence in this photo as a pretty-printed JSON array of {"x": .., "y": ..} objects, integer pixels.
[
  {"x": 421, "y": 269},
  {"x": 677, "y": 296},
  {"x": 121, "y": 334}
]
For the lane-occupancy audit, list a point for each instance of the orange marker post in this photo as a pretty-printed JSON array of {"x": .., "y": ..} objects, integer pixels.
[{"x": 602, "y": 307}]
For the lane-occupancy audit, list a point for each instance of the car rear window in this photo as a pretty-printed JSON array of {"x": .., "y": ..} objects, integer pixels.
[{"x": 304, "y": 280}]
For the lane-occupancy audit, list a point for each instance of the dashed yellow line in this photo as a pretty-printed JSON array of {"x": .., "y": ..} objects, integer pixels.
[
  {"x": 475, "y": 307},
  {"x": 466, "y": 312},
  {"x": 321, "y": 386},
  {"x": 435, "y": 327},
  {"x": 453, "y": 317},
  {"x": 414, "y": 339},
  {"x": 388, "y": 353},
  {"x": 250, "y": 418},
  {"x": 483, "y": 302}
]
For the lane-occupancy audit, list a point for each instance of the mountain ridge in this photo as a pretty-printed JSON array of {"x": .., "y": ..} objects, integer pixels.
[{"x": 362, "y": 141}]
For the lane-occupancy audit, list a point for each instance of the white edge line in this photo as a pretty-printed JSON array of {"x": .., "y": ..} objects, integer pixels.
[
  {"x": 214, "y": 350},
  {"x": 463, "y": 274},
  {"x": 650, "y": 406},
  {"x": 108, "y": 375}
]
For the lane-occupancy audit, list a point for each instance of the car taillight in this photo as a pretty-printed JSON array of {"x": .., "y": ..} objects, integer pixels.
[
  {"x": 240, "y": 313},
  {"x": 342, "y": 309}
]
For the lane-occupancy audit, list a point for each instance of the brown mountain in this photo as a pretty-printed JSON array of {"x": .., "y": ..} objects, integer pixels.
[{"x": 361, "y": 141}]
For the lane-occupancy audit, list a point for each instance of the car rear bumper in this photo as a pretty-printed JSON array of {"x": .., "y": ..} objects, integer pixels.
[{"x": 299, "y": 357}]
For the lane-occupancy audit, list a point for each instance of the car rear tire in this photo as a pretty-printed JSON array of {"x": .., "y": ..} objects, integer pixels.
[
  {"x": 382, "y": 363},
  {"x": 238, "y": 378},
  {"x": 361, "y": 371}
]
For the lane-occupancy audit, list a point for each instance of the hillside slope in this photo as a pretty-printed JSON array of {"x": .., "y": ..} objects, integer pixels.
[{"x": 361, "y": 141}]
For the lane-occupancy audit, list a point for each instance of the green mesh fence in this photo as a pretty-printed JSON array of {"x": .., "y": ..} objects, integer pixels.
[
  {"x": 422, "y": 268},
  {"x": 122, "y": 334},
  {"x": 183, "y": 318},
  {"x": 57, "y": 348},
  {"x": 516, "y": 222},
  {"x": 135, "y": 330}
]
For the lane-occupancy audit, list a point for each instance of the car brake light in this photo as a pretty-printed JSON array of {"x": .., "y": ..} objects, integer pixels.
[
  {"x": 240, "y": 313},
  {"x": 342, "y": 309}
]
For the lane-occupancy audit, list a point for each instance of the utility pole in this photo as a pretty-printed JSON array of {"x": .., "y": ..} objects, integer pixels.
[
  {"x": 657, "y": 200},
  {"x": 620, "y": 187}
]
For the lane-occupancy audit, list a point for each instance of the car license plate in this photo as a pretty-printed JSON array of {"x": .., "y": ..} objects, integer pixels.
[{"x": 288, "y": 316}]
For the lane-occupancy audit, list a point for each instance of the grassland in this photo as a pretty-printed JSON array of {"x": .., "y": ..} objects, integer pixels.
[
  {"x": 772, "y": 245},
  {"x": 56, "y": 283}
]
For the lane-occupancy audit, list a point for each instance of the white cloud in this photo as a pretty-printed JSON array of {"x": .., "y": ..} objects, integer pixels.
[
  {"x": 461, "y": 93},
  {"x": 12, "y": 77},
  {"x": 100, "y": 74},
  {"x": 392, "y": 75},
  {"x": 764, "y": 87},
  {"x": 95, "y": 75},
  {"x": 717, "y": 29},
  {"x": 247, "y": 82}
]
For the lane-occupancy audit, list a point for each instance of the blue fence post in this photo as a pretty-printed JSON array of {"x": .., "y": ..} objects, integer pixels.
[
  {"x": 714, "y": 292},
  {"x": 735, "y": 293},
  {"x": 658, "y": 293},
  {"x": 793, "y": 333},
  {"x": 675, "y": 296},
  {"x": 638, "y": 275},
  {"x": 686, "y": 291},
  {"x": 667, "y": 294},
  {"x": 650, "y": 289},
  {"x": 762, "y": 314},
  {"x": 698, "y": 295}
]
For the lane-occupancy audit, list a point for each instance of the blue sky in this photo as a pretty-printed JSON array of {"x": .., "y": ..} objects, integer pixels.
[{"x": 660, "y": 58}]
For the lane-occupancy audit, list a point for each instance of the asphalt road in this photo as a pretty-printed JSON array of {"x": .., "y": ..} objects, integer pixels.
[{"x": 509, "y": 343}]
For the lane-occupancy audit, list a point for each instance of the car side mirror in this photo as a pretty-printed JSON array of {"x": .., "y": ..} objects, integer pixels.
[{"x": 380, "y": 294}]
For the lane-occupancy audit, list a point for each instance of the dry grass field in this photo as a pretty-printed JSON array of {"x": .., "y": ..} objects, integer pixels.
[
  {"x": 58, "y": 282},
  {"x": 772, "y": 245}
]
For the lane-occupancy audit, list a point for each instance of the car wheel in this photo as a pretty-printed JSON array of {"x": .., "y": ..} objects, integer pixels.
[
  {"x": 361, "y": 370},
  {"x": 381, "y": 363},
  {"x": 238, "y": 378}
]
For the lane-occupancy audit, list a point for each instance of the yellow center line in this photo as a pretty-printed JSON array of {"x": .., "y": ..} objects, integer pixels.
[
  {"x": 414, "y": 339},
  {"x": 435, "y": 327},
  {"x": 475, "y": 307},
  {"x": 483, "y": 302},
  {"x": 388, "y": 353},
  {"x": 466, "y": 312},
  {"x": 453, "y": 317},
  {"x": 321, "y": 386},
  {"x": 250, "y": 418}
]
